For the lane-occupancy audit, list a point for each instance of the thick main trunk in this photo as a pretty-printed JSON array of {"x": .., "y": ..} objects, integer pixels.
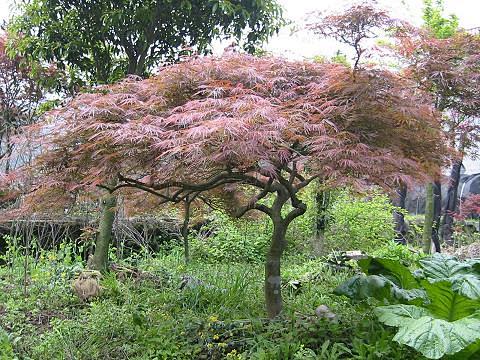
[
  {"x": 428, "y": 223},
  {"x": 99, "y": 260},
  {"x": 451, "y": 203},
  {"x": 398, "y": 216},
  {"x": 136, "y": 65},
  {"x": 273, "y": 294},
  {"x": 132, "y": 66}
]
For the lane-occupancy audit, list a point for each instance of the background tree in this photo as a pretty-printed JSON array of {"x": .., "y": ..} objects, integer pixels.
[
  {"x": 428, "y": 224},
  {"x": 447, "y": 63},
  {"x": 22, "y": 89},
  {"x": 101, "y": 41},
  {"x": 354, "y": 27},
  {"x": 357, "y": 27},
  {"x": 442, "y": 27},
  {"x": 258, "y": 126}
]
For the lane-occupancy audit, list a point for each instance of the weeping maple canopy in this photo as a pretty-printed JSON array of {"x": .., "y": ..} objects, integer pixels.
[
  {"x": 238, "y": 123},
  {"x": 209, "y": 122}
]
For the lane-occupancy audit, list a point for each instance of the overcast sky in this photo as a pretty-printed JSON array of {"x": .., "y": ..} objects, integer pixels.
[{"x": 302, "y": 45}]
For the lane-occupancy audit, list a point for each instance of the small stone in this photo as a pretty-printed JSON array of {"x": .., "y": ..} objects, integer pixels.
[
  {"x": 87, "y": 285},
  {"x": 330, "y": 316},
  {"x": 322, "y": 310}
]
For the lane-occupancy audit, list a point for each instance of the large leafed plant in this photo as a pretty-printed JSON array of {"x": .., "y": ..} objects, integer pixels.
[{"x": 436, "y": 308}]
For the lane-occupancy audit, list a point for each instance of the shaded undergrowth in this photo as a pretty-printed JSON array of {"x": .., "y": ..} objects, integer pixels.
[{"x": 164, "y": 309}]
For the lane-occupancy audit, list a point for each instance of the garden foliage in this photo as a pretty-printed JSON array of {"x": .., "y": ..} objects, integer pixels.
[
  {"x": 435, "y": 308},
  {"x": 359, "y": 222}
]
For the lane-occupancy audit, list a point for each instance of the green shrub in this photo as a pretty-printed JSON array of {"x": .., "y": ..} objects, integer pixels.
[
  {"x": 465, "y": 233},
  {"x": 232, "y": 240},
  {"x": 415, "y": 229},
  {"x": 359, "y": 223},
  {"x": 394, "y": 251},
  {"x": 6, "y": 350}
]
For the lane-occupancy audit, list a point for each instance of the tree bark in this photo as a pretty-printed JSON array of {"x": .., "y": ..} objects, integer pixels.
[
  {"x": 428, "y": 223},
  {"x": 437, "y": 212},
  {"x": 273, "y": 294},
  {"x": 451, "y": 203},
  {"x": 322, "y": 200},
  {"x": 136, "y": 64},
  {"x": 398, "y": 217},
  {"x": 99, "y": 260}
]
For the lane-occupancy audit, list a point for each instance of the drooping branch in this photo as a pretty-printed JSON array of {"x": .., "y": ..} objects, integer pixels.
[
  {"x": 221, "y": 178},
  {"x": 296, "y": 212},
  {"x": 131, "y": 183},
  {"x": 307, "y": 182},
  {"x": 253, "y": 202}
]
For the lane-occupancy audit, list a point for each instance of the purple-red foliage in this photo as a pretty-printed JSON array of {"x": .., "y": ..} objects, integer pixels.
[
  {"x": 354, "y": 26},
  {"x": 212, "y": 122},
  {"x": 450, "y": 70},
  {"x": 470, "y": 206}
]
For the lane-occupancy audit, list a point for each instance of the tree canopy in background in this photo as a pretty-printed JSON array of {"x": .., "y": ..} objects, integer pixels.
[
  {"x": 445, "y": 61},
  {"x": 23, "y": 89},
  {"x": 104, "y": 40},
  {"x": 442, "y": 27}
]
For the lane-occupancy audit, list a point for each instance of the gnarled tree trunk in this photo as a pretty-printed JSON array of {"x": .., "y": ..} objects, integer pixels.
[{"x": 273, "y": 283}]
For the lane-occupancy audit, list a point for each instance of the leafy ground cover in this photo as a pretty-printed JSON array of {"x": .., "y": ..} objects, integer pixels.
[
  {"x": 434, "y": 307},
  {"x": 160, "y": 308}
]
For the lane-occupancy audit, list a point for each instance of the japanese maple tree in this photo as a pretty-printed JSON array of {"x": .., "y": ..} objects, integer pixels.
[
  {"x": 355, "y": 27},
  {"x": 448, "y": 68},
  {"x": 264, "y": 127}
]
